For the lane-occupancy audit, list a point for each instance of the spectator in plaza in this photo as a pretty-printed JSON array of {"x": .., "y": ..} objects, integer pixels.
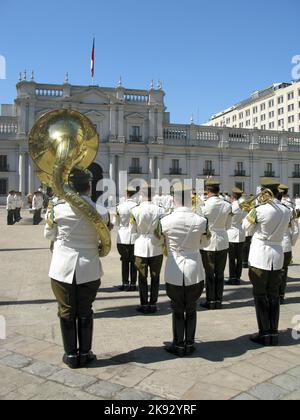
[{"x": 11, "y": 208}]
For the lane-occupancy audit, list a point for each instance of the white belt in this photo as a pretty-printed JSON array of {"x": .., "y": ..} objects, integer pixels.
[{"x": 270, "y": 243}]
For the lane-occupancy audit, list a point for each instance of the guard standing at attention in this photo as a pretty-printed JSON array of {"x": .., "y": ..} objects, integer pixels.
[
  {"x": 148, "y": 250},
  {"x": 126, "y": 240},
  {"x": 11, "y": 208},
  {"x": 37, "y": 207},
  {"x": 236, "y": 236},
  {"x": 215, "y": 247},
  {"x": 184, "y": 275},
  {"x": 75, "y": 271},
  {"x": 269, "y": 221}
]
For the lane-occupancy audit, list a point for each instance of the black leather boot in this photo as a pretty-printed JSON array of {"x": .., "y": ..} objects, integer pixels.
[
  {"x": 190, "y": 332},
  {"x": 274, "y": 319},
  {"x": 85, "y": 335},
  {"x": 69, "y": 336},
  {"x": 262, "y": 307},
  {"x": 178, "y": 346}
]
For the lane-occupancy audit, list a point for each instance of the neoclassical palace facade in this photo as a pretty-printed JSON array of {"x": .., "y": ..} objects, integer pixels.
[{"x": 137, "y": 136}]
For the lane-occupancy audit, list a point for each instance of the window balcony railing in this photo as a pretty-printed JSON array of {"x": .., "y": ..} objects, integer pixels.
[
  {"x": 209, "y": 172},
  {"x": 175, "y": 171},
  {"x": 239, "y": 172},
  {"x": 135, "y": 170},
  {"x": 296, "y": 174},
  {"x": 136, "y": 139},
  {"x": 270, "y": 174}
]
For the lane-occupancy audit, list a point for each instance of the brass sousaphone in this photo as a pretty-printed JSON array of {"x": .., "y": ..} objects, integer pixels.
[{"x": 60, "y": 141}]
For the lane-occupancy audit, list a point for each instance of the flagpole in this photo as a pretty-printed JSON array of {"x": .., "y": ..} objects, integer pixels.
[{"x": 93, "y": 62}]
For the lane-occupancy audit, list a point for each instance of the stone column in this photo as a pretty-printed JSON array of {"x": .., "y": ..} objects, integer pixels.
[
  {"x": 121, "y": 134},
  {"x": 151, "y": 168},
  {"x": 152, "y": 123},
  {"x": 31, "y": 176},
  {"x": 22, "y": 172},
  {"x": 112, "y": 126},
  {"x": 112, "y": 167},
  {"x": 160, "y": 130},
  {"x": 160, "y": 167}
]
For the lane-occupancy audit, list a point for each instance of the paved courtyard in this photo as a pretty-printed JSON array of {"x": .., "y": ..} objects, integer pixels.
[{"x": 132, "y": 364}]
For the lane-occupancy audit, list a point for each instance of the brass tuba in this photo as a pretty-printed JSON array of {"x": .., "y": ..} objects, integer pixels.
[
  {"x": 60, "y": 141},
  {"x": 264, "y": 197}
]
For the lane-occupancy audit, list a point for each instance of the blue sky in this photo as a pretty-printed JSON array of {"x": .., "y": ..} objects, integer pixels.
[{"x": 209, "y": 54}]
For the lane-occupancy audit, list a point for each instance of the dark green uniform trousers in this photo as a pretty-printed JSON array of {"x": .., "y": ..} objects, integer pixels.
[
  {"x": 75, "y": 301},
  {"x": 214, "y": 265},
  {"x": 288, "y": 256},
  {"x": 266, "y": 285},
  {"x": 184, "y": 308},
  {"x": 236, "y": 260},
  {"x": 128, "y": 264},
  {"x": 143, "y": 265}
]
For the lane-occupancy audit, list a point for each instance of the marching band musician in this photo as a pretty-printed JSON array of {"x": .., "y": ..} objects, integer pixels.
[
  {"x": 269, "y": 221},
  {"x": 148, "y": 250},
  {"x": 215, "y": 247},
  {"x": 126, "y": 240},
  {"x": 236, "y": 235},
  {"x": 11, "y": 208},
  {"x": 184, "y": 274},
  {"x": 19, "y": 205},
  {"x": 37, "y": 207},
  {"x": 75, "y": 271},
  {"x": 289, "y": 241}
]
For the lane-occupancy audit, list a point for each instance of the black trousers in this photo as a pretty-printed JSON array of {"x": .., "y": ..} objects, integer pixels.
[
  {"x": 266, "y": 285},
  {"x": 288, "y": 256},
  {"x": 37, "y": 217},
  {"x": 143, "y": 265},
  {"x": 184, "y": 308},
  {"x": 17, "y": 214},
  {"x": 10, "y": 217},
  {"x": 236, "y": 260},
  {"x": 214, "y": 265},
  {"x": 246, "y": 250},
  {"x": 128, "y": 264},
  {"x": 75, "y": 301}
]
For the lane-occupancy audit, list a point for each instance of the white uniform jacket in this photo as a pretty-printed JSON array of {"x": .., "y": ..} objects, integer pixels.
[
  {"x": 183, "y": 231},
  {"x": 146, "y": 220},
  {"x": 272, "y": 221},
  {"x": 292, "y": 233},
  {"x": 19, "y": 202},
  {"x": 236, "y": 233},
  {"x": 126, "y": 231},
  {"x": 10, "y": 202},
  {"x": 37, "y": 202},
  {"x": 76, "y": 246},
  {"x": 218, "y": 214}
]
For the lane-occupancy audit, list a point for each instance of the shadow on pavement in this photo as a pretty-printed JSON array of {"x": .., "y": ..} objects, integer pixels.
[{"x": 214, "y": 351}]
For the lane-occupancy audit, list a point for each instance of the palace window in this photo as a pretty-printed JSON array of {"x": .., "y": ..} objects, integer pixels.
[
  {"x": 3, "y": 163},
  {"x": 3, "y": 186}
]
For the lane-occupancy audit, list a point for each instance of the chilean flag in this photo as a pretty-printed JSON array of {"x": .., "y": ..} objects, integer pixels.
[{"x": 93, "y": 60}]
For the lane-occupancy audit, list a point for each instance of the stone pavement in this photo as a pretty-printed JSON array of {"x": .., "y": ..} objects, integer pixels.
[{"x": 132, "y": 364}]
